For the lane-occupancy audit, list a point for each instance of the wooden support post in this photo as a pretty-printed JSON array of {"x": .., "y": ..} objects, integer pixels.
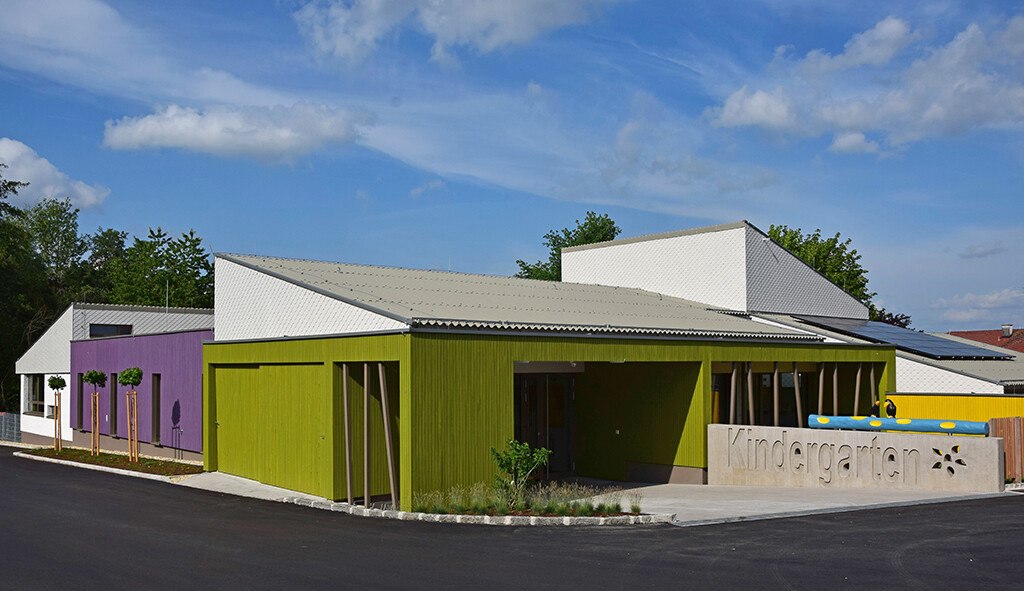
[
  {"x": 732, "y": 395},
  {"x": 135, "y": 423},
  {"x": 856, "y": 389},
  {"x": 56, "y": 420},
  {"x": 821, "y": 388},
  {"x": 750, "y": 391},
  {"x": 835, "y": 389},
  {"x": 348, "y": 434},
  {"x": 874, "y": 388},
  {"x": 366, "y": 435},
  {"x": 387, "y": 434},
  {"x": 776, "y": 386},
  {"x": 799, "y": 399}
]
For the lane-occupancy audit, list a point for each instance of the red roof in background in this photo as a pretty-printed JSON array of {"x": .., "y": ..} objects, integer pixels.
[{"x": 994, "y": 337}]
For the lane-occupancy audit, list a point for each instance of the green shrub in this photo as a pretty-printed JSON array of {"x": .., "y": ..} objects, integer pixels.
[
  {"x": 56, "y": 383},
  {"x": 130, "y": 377},
  {"x": 98, "y": 379},
  {"x": 516, "y": 463}
]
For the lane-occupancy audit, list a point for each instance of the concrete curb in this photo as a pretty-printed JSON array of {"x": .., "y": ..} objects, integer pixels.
[
  {"x": 168, "y": 479},
  {"x": 515, "y": 520}
]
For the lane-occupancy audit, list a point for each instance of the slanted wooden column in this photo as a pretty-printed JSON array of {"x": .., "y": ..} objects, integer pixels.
[
  {"x": 732, "y": 395},
  {"x": 348, "y": 432},
  {"x": 856, "y": 389},
  {"x": 776, "y": 387},
  {"x": 796, "y": 392},
  {"x": 821, "y": 388},
  {"x": 750, "y": 391},
  {"x": 366, "y": 435},
  {"x": 835, "y": 389},
  {"x": 387, "y": 434}
]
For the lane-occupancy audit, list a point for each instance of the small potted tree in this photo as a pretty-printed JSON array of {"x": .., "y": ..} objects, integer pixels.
[
  {"x": 132, "y": 377},
  {"x": 56, "y": 384},
  {"x": 98, "y": 379}
]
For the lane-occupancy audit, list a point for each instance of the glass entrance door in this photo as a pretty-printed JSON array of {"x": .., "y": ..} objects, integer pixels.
[{"x": 543, "y": 411}]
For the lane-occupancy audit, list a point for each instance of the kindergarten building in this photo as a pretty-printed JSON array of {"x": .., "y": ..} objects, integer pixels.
[{"x": 345, "y": 380}]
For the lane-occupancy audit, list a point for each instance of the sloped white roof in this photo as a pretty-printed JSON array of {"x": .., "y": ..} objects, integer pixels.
[{"x": 460, "y": 301}]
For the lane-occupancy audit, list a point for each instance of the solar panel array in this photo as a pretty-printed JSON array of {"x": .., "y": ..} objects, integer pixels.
[{"x": 905, "y": 339}]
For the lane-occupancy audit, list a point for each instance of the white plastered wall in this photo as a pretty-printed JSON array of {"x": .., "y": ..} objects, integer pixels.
[
  {"x": 249, "y": 304},
  {"x": 43, "y": 425},
  {"x": 777, "y": 281},
  {"x": 913, "y": 376},
  {"x": 709, "y": 268}
]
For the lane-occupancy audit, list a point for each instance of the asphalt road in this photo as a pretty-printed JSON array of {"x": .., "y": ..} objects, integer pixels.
[{"x": 67, "y": 528}]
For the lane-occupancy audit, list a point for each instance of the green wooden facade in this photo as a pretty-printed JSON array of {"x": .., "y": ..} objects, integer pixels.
[{"x": 274, "y": 413}]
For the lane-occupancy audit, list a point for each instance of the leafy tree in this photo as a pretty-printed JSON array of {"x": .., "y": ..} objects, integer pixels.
[
  {"x": 835, "y": 258},
  {"x": 594, "y": 228},
  {"x": 53, "y": 227},
  {"x": 24, "y": 301},
  {"x": 106, "y": 250},
  {"x": 160, "y": 269}
]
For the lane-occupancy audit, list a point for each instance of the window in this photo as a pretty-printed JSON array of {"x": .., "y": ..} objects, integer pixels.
[
  {"x": 109, "y": 330},
  {"x": 155, "y": 403},
  {"x": 34, "y": 401},
  {"x": 113, "y": 405},
  {"x": 80, "y": 395}
]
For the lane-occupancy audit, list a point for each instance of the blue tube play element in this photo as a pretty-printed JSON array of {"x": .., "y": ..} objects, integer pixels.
[{"x": 916, "y": 425}]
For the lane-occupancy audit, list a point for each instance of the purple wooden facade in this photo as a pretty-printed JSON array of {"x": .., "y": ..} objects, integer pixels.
[{"x": 177, "y": 358}]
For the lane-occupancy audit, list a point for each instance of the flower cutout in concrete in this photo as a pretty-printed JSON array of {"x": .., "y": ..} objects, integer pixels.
[{"x": 950, "y": 461}]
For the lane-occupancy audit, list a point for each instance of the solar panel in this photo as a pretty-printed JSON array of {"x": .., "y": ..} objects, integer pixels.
[{"x": 904, "y": 338}]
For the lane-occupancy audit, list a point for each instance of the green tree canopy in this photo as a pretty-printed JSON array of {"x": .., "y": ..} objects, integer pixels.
[
  {"x": 159, "y": 269},
  {"x": 593, "y": 228},
  {"x": 835, "y": 258}
]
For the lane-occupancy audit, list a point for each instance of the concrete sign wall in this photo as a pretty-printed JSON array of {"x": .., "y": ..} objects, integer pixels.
[{"x": 782, "y": 456}]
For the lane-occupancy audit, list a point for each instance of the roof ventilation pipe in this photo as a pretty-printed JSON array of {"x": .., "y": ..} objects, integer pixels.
[{"x": 1007, "y": 331}]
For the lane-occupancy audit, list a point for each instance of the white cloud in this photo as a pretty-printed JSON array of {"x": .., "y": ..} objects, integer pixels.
[
  {"x": 853, "y": 142},
  {"x": 44, "y": 179},
  {"x": 757, "y": 109},
  {"x": 270, "y": 133},
  {"x": 996, "y": 305},
  {"x": 887, "y": 82},
  {"x": 351, "y": 30},
  {"x": 431, "y": 185},
  {"x": 875, "y": 47},
  {"x": 88, "y": 44}
]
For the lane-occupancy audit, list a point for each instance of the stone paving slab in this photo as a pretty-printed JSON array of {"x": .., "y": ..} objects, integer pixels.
[{"x": 243, "y": 487}]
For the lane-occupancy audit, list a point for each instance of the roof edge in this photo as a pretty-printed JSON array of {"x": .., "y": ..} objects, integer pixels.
[{"x": 659, "y": 236}]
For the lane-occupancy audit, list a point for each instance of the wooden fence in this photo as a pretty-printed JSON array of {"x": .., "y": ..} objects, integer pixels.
[{"x": 1011, "y": 429}]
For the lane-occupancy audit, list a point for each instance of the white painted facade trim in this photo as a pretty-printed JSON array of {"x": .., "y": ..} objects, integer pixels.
[
  {"x": 913, "y": 376},
  {"x": 709, "y": 267},
  {"x": 249, "y": 304}
]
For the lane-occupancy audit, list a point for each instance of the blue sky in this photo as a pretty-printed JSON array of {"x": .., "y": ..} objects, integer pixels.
[{"x": 455, "y": 133}]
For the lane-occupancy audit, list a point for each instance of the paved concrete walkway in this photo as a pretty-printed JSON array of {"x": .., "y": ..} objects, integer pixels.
[
  {"x": 243, "y": 487},
  {"x": 701, "y": 504}
]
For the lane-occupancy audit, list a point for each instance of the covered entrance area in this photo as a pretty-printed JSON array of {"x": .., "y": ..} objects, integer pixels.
[{"x": 623, "y": 421}]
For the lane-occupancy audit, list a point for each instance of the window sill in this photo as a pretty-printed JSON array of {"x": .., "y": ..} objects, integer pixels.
[{"x": 32, "y": 413}]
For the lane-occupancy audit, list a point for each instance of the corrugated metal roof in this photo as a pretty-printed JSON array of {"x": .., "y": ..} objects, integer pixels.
[
  {"x": 1001, "y": 371},
  {"x": 442, "y": 299}
]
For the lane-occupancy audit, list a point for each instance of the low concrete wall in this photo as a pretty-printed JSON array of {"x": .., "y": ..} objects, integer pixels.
[{"x": 791, "y": 457}]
